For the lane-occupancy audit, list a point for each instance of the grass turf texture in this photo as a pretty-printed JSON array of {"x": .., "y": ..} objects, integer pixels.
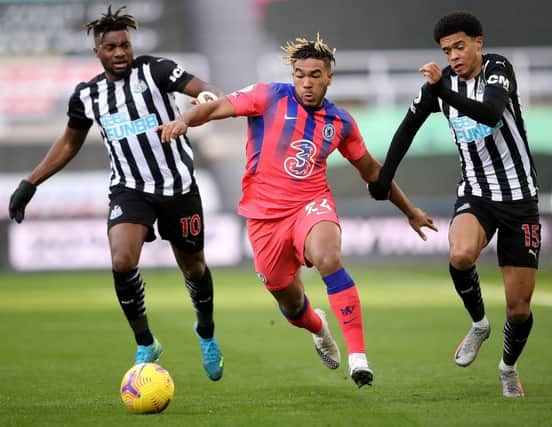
[{"x": 66, "y": 346}]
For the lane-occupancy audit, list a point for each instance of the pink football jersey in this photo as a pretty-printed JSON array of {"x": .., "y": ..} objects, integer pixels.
[{"x": 287, "y": 148}]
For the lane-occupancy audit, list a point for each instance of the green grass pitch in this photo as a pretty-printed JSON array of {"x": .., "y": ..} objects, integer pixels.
[{"x": 65, "y": 346}]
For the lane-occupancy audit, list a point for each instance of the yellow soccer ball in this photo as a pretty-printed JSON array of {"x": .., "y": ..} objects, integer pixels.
[{"x": 147, "y": 388}]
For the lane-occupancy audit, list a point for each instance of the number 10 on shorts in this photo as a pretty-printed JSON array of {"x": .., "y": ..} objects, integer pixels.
[{"x": 191, "y": 225}]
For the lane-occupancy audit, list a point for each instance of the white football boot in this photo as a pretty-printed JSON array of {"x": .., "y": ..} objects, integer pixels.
[
  {"x": 468, "y": 348},
  {"x": 325, "y": 345},
  {"x": 511, "y": 385}
]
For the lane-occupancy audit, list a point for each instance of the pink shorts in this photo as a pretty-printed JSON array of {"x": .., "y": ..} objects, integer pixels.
[{"x": 279, "y": 244}]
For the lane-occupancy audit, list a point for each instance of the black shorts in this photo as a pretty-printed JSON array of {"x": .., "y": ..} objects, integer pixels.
[
  {"x": 179, "y": 218},
  {"x": 517, "y": 222}
]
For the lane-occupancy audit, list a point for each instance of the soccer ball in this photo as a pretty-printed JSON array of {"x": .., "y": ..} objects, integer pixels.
[{"x": 147, "y": 388}]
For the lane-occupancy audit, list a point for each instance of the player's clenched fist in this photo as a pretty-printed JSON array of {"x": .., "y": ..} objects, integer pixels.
[
  {"x": 19, "y": 199},
  {"x": 432, "y": 72}
]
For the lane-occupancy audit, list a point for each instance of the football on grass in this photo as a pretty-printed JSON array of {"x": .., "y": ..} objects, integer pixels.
[{"x": 147, "y": 388}]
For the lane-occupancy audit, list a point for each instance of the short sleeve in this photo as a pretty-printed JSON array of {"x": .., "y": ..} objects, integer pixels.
[
  {"x": 168, "y": 75},
  {"x": 499, "y": 72},
  {"x": 75, "y": 111},
  {"x": 251, "y": 100},
  {"x": 352, "y": 147}
]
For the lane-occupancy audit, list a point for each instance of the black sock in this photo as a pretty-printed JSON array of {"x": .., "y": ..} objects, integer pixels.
[
  {"x": 130, "y": 293},
  {"x": 467, "y": 286},
  {"x": 201, "y": 294},
  {"x": 515, "y": 337}
]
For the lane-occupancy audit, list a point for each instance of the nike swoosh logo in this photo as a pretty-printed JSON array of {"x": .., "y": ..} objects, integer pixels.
[
  {"x": 286, "y": 117},
  {"x": 346, "y": 322}
]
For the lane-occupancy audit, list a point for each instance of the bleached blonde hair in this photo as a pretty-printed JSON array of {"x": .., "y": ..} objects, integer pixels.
[{"x": 302, "y": 48}]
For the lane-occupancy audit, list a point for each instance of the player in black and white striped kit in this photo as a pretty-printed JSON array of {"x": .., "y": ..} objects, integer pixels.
[
  {"x": 150, "y": 181},
  {"x": 478, "y": 95}
]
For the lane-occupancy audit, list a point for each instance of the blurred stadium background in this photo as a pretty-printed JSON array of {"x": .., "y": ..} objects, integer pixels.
[{"x": 44, "y": 52}]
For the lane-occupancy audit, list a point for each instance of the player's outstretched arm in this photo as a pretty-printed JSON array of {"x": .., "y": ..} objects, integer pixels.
[
  {"x": 369, "y": 169},
  {"x": 63, "y": 150},
  {"x": 402, "y": 140},
  {"x": 196, "y": 116}
]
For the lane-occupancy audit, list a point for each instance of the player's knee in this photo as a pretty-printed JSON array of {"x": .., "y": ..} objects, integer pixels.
[
  {"x": 123, "y": 262},
  {"x": 327, "y": 262},
  {"x": 518, "y": 312},
  {"x": 462, "y": 259},
  {"x": 192, "y": 265},
  {"x": 195, "y": 271}
]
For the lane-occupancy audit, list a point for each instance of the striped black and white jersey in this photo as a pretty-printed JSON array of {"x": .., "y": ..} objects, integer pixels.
[
  {"x": 496, "y": 161},
  {"x": 127, "y": 112}
]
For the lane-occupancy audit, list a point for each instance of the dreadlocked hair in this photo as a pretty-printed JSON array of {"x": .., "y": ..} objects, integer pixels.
[
  {"x": 302, "y": 48},
  {"x": 111, "y": 22}
]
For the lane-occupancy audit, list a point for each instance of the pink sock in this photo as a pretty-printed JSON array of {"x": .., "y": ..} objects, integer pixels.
[
  {"x": 306, "y": 318},
  {"x": 345, "y": 304}
]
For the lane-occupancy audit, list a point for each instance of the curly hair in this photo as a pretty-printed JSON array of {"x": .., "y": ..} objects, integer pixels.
[
  {"x": 455, "y": 22},
  {"x": 111, "y": 22},
  {"x": 301, "y": 48}
]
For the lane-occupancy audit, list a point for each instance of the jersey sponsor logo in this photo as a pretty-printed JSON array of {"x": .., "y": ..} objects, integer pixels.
[
  {"x": 302, "y": 164},
  {"x": 139, "y": 87},
  {"x": 495, "y": 79},
  {"x": 328, "y": 132},
  {"x": 119, "y": 125},
  {"x": 468, "y": 130}
]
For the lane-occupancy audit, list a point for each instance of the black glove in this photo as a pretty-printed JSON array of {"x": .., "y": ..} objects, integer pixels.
[
  {"x": 378, "y": 191},
  {"x": 19, "y": 199}
]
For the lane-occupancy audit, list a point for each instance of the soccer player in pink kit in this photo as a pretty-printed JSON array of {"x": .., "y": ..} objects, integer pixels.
[{"x": 290, "y": 210}]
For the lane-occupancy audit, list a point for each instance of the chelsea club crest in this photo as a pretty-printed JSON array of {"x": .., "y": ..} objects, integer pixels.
[{"x": 328, "y": 132}]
